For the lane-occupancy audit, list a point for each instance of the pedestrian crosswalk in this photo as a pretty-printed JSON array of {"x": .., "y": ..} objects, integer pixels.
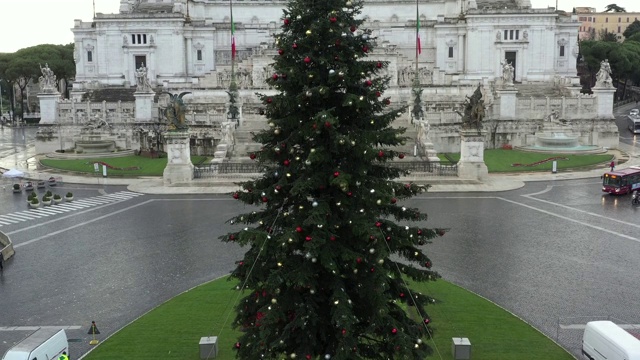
[{"x": 65, "y": 207}]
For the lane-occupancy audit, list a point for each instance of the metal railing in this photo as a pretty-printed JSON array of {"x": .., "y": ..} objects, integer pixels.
[{"x": 423, "y": 167}]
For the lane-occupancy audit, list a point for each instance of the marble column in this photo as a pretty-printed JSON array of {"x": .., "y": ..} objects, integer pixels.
[
  {"x": 179, "y": 167},
  {"x": 471, "y": 165}
]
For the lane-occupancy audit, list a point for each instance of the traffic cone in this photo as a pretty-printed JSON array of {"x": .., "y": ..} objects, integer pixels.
[{"x": 93, "y": 330}]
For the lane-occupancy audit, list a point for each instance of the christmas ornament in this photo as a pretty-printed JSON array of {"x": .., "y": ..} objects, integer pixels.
[
  {"x": 394, "y": 331},
  {"x": 365, "y": 49},
  {"x": 368, "y": 83},
  {"x": 380, "y": 153},
  {"x": 333, "y": 19},
  {"x": 332, "y": 238},
  {"x": 286, "y": 163},
  {"x": 308, "y": 238},
  {"x": 308, "y": 32},
  {"x": 401, "y": 156},
  {"x": 299, "y": 229},
  {"x": 252, "y": 156},
  {"x": 269, "y": 100},
  {"x": 294, "y": 46},
  {"x": 332, "y": 72},
  {"x": 307, "y": 60},
  {"x": 287, "y": 21},
  {"x": 338, "y": 42},
  {"x": 264, "y": 199},
  {"x": 280, "y": 51},
  {"x": 237, "y": 345},
  {"x": 352, "y": 28},
  {"x": 336, "y": 174},
  {"x": 236, "y": 195},
  {"x": 379, "y": 65},
  {"x": 298, "y": 17},
  {"x": 327, "y": 124}
]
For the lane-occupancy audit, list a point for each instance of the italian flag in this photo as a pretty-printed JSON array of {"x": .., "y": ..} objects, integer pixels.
[
  {"x": 233, "y": 34},
  {"x": 418, "y": 46}
]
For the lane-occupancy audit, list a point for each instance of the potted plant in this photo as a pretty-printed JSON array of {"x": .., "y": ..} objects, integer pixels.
[
  {"x": 45, "y": 200},
  {"x": 34, "y": 203},
  {"x": 57, "y": 199},
  {"x": 17, "y": 188},
  {"x": 31, "y": 196},
  {"x": 49, "y": 194},
  {"x": 68, "y": 197}
]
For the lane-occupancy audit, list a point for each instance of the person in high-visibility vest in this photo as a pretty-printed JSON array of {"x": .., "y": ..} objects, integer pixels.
[{"x": 63, "y": 356}]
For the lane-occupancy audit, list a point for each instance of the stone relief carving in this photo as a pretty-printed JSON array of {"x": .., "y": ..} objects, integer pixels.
[{"x": 407, "y": 75}]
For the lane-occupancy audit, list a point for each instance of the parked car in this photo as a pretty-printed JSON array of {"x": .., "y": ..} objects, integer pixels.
[{"x": 634, "y": 112}]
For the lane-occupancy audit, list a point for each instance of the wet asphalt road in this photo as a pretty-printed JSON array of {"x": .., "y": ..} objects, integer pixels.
[{"x": 554, "y": 253}]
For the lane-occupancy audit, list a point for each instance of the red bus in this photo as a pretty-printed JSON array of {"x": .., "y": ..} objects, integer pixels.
[{"x": 622, "y": 181}]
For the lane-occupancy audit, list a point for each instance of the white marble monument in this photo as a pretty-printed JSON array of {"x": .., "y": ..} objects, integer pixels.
[{"x": 179, "y": 167}]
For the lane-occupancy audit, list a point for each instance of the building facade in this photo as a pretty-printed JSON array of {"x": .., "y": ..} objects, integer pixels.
[
  {"x": 186, "y": 44},
  {"x": 592, "y": 23}
]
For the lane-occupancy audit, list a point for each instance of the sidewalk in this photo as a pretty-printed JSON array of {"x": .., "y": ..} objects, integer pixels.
[{"x": 25, "y": 161}]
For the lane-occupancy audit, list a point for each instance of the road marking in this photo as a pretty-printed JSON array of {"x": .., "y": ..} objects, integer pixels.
[
  {"x": 582, "y": 326},
  {"x": 34, "y": 328},
  {"x": 93, "y": 203},
  {"x": 15, "y": 246}
]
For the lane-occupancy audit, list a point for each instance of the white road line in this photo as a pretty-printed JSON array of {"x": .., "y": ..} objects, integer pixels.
[
  {"x": 10, "y": 220},
  {"x": 20, "y": 217},
  {"x": 573, "y": 220},
  {"x": 15, "y": 246},
  {"x": 582, "y": 326},
  {"x": 529, "y": 196},
  {"x": 34, "y": 328}
]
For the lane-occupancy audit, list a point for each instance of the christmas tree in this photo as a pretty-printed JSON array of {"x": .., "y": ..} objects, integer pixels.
[{"x": 330, "y": 245}]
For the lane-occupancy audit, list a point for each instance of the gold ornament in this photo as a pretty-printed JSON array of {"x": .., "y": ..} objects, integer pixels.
[{"x": 308, "y": 32}]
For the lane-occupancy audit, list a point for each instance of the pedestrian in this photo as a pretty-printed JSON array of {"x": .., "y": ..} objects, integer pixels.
[
  {"x": 63, "y": 356},
  {"x": 613, "y": 164},
  {"x": 1, "y": 261}
]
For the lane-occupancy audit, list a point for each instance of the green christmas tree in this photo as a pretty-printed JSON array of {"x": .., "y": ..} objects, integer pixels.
[{"x": 325, "y": 275}]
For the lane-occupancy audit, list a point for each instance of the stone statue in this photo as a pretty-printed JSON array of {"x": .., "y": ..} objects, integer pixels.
[
  {"x": 473, "y": 110},
  {"x": 507, "y": 72},
  {"x": 95, "y": 124},
  {"x": 423, "y": 132},
  {"x": 227, "y": 133},
  {"x": 48, "y": 80},
  {"x": 603, "y": 77},
  {"x": 142, "y": 81},
  {"x": 175, "y": 112}
]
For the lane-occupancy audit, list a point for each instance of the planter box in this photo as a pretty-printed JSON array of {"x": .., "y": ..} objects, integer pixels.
[
  {"x": 68, "y": 198},
  {"x": 57, "y": 201},
  {"x": 34, "y": 206}
]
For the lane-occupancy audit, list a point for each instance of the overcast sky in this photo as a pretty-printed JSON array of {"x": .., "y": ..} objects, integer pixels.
[{"x": 27, "y": 23}]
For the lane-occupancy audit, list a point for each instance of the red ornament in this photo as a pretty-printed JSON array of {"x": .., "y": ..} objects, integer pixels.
[
  {"x": 402, "y": 295},
  {"x": 237, "y": 345},
  {"x": 295, "y": 46},
  {"x": 387, "y": 101},
  {"x": 394, "y": 331},
  {"x": 298, "y": 229},
  {"x": 368, "y": 83},
  {"x": 378, "y": 93},
  {"x": 264, "y": 199},
  {"x": 274, "y": 76},
  {"x": 441, "y": 232},
  {"x": 314, "y": 126},
  {"x": 278, "y": 187},
  {"x": 307, "y": 60},
  {"x": 380, "y": 153},
  {"x": 338, "y": 42},
  {"x": 280, "y": 51},
  {"x": 336, "y": 174},
  {"x": 371, "y": 237},
  {"x": 359, "y": 260},
  {"x": 269, "y": 100},
  {"x": 419, "y": 231},
  {"x": 379, "y": 65},
  {"x": 394, "y": 200},
  {"x": 333, "y": 19},
  {"x": 353, "y": 28},
  {"x": 401, "y": 156},
  {"x": 336, "y": 58},
  {"x": 427, "y": 264},
  {"x": 252, "y": 156},
  {"x": 378, "y": 224},
  {"x": 286, "y": 163},
  {"x": 388, "y": 238},
  {"x": 308, "y": 238},
  {"x": 308, "y": 357},
  {"x": 344, "y": 331},
  {"x": 407, "y": 186},
  {"x": 332, "y": 238},
  {"x": 365, "y": 49},
  {"x": 372, "y": 269},
  {"x": 232, "y": 237},
  {"x": 287, "y": 21},
  {"x": 327, "y": 124},
  {"x": 349, "y": 194},
  {"x": 236, "y": 195},
  {"x": 427, "y": 321}
]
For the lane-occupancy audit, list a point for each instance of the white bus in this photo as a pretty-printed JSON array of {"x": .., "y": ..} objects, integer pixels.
[{"x": 634, "y": 124}]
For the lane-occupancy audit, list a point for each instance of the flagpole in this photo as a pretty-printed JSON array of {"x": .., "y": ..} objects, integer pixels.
[
  {"x": 417, "y": 37},
  {"x": 233, "y": 55},
  {"x": 94, "y": 9}
]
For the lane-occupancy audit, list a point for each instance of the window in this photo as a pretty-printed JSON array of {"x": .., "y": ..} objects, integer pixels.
[
  {"x": 199, "y": 54},
  {"x": 89, "y": 56},
  {"x": 138, "y": 39},
  {"x": 606, "y": 20},
  {"x": 506, "y": 34},
  {"x": 450, "y": 52},
  {"x": 561, "y": 50},
  {"x": 627, "y": 19},
  {"x": 517, "y": 34}
]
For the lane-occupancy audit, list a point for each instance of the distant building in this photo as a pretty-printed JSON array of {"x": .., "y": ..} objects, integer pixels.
[{"x": 592, "y": 22}]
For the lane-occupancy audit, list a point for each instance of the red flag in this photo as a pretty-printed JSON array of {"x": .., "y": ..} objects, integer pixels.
[{"x": 418, "y": 45}]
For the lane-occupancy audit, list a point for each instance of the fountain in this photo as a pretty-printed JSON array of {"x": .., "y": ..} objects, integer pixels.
[{"x": 556, "y": 136}]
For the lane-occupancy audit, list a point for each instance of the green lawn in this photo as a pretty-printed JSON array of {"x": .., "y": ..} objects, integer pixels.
[
  {"x": 498, "y": 160},
  {"x": 145, "y": 166},
  {"x": 173, "y": 330}
]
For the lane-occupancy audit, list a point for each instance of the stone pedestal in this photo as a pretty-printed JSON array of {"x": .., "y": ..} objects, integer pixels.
[
  {"x": 144, "y": 106},
  {"x": 179, "y": 167},
  {"x": 48, "y": 107},
  {"x": 471, "y": 164},
  {"x": 604, "y": 101},
  {"x": 507, "y": 103}
]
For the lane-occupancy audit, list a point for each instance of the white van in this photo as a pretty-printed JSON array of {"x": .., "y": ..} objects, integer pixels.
[
  {"x": 604, "y": 340},
  {"x": 44, "y": 344}
]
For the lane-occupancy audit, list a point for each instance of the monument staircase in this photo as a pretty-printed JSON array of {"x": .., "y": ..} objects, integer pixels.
[
  {"x": 110, "y": 95},
  {"x": 541, "y": 90}
]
